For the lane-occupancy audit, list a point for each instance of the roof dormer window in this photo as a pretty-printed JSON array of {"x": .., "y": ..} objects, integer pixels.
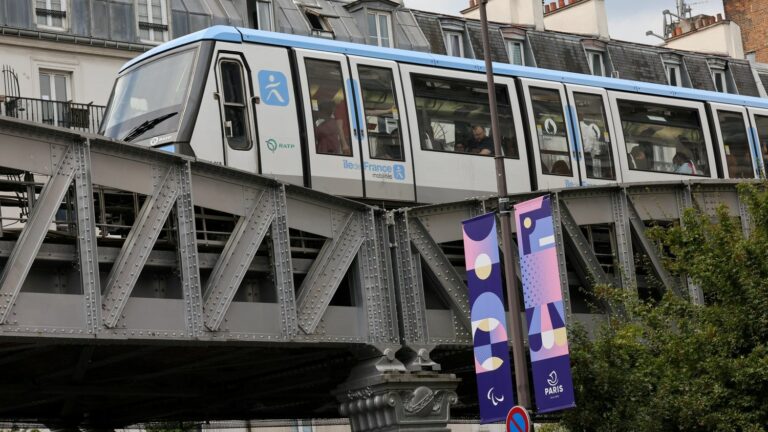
[
  {"x": 51, "y": 14},
  {"x": 318, "y": 24},
  {"x": 380, "y": 29},
  {"x": 454, "y": 43}
]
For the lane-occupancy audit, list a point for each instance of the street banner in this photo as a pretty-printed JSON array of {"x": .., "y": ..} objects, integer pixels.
[
  {"x": 489, "y": 324},
  {"x": 544, "y": 310}
]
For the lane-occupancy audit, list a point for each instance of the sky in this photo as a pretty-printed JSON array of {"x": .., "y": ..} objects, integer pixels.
[{"x": 627, "y": 19}]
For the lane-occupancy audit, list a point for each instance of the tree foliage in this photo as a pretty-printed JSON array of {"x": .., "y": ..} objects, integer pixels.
[{"x": 670, "y": 365}]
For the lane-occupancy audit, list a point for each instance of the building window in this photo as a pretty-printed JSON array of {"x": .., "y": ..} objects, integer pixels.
[
  {"x": 380, "y": 29},
  {"x": 720, "y": 84},
  {"x": 261, "y": 14},
  {"x": 454, "y": 44},
  {"x": 51, "y": 14},
  {"x": 318, "y": 24},
  {"x": 674, "y": 78},
  {"x": 55, "y": 91},
  {"x": 596, "y": 63},
  {"x": 515, "y": 52},
  {"x": 152, "y": 20}
]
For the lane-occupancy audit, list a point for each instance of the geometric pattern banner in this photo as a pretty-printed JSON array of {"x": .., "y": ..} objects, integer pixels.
[
  {"x": 544, "y": 311},
  {"x": 489, "y": 323}
]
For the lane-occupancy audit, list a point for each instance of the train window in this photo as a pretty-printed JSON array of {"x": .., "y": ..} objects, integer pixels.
[
  {"x": 595, "y": 137},
  {"x": 663, "y": 138},
  {"x": 761, "y": 123},
  {"x": 551, "y": 130},
  {"x": 454, "y": 116},
  {"x": 382, "y": 117},
  {"x": 330, "y": 114},
  {"x": 235, "y": 119},
  {"x": 736, "y": 145}
]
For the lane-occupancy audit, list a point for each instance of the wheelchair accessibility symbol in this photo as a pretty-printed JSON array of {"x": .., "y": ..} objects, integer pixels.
[{"x": 273, "y": 87}]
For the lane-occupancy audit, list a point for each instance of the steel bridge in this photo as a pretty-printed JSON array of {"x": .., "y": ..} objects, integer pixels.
[{"x": 139, "y": 285}]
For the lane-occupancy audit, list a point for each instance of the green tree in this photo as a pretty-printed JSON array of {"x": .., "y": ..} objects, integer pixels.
[{"x": 670, "y": 365}]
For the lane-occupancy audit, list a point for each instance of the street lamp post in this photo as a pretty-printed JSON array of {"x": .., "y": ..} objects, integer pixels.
[{"x": 521, "y": 368}]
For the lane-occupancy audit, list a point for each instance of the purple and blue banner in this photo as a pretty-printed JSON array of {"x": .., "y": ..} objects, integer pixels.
[
  {"x": 489, "y": 324},
  {"x": 544, "y": 309}
]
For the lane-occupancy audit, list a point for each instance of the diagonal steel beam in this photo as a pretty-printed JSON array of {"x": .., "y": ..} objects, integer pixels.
[
  {"x": 584, "y": 254},
  {"x": 638, "y": 229},
  {"x": 32, "y": 235},
  {"x": 127, "y": 268},
  {"x": 327, "y": 272},
  {"x": 452, "y": 284},
  {"x": 235, "y": 259}
]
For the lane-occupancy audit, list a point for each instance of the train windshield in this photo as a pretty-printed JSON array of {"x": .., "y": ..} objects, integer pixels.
[{"x": 149, "y": 100}]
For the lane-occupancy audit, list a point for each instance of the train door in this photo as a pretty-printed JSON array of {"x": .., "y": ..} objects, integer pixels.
[
  {"x": 328, "y": 98},
  {"x": 738, "y": 152},
  {"x": 596, "y": 139},
  {"x": 450, "y": 128},
  {"x": 234, "y": 96},
  {"x": 759, "y": 129},
  {"x": 554, "y": 153},
  {"x": 382, "y": 130}
]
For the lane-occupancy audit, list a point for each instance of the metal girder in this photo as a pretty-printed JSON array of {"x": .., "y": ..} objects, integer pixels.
[
  {"x": 452, "y": 284},
  {"x": 373, "y": 265},
  {"x": 282, "y": 265},
  {"x": 744, "y": 216},
  {"x": 585, "y": 255},
  {"x": 410, "y": 292},
  {"x": 562, "y": 269},
  {"x": 86, "y": 240},
  {"x": 189, "y": 268},
  {"x": 138, "y": 245},
  {"x": 328, "y": 270},
  {"x": 623, "y": 235},
  {"x": 235, "y": 259},
  {"x": 638, "y": 229},
  {"x": 685, "y": 200},
  {"x": 32, "y": 235}
]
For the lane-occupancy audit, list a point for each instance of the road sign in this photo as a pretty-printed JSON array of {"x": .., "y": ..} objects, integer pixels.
[{"x": 518, "y": 420}]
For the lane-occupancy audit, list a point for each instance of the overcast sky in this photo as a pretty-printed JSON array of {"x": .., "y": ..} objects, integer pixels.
[{"x": 627, "y": 19}]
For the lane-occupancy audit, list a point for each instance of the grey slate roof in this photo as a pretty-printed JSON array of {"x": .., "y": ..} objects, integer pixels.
[
  {"x": 498, "y": 47},
  {"x": 698, "y": 71},
  {"x": 430, "y": 26},
  {"x": 637, "y": 64},
  {"x": 764, "y": 80},
  {"x": 553, "y": 51},
  {"x": 742, "y": 75}
]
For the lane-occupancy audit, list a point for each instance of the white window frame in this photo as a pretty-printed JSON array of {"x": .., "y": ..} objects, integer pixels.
[
  {"x": 259, "y": 4},
  {"x": 448, "y": 35},
  {"x": 164, "y": 34},
  {"x": 719, "y": 75},
  {"x": 49, "y": 19},
  {"x": 517, "y": 44},
  {"x": 388, "y": 16},
  {"x": 591, "y": 60},
  {"x": 674, "y": 68}
]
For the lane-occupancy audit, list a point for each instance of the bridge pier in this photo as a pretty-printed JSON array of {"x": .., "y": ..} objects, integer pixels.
[{"x": 382, "y": 395}]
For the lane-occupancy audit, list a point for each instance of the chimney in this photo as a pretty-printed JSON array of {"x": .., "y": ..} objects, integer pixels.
[
  {"x": 587, "y": 17},
  {"x": 516, "y": 12}
]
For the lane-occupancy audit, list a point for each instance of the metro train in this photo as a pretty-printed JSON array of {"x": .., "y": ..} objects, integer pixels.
[{"x": 392, "y": 125}]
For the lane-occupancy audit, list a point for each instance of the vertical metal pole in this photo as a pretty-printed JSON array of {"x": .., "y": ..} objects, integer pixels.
[{"x": 518, "y": 353}]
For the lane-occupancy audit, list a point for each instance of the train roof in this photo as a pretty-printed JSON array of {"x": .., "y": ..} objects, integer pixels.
[{"x": 241, "y": 35}]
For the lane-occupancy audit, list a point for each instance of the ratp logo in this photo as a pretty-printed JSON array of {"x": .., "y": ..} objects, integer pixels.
[
  {"x": 273, "y": 87},
  {"x": 272, "y": 145}
]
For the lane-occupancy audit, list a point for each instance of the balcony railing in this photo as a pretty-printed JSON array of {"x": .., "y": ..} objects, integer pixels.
[{"x": 82, "y": 117}]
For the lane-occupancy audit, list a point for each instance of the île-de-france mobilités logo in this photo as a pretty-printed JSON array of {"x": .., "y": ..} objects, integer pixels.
[{"x": 273, "y": 87}]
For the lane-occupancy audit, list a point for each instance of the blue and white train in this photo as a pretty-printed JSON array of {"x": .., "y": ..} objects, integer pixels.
[{"x": 392, "y": 125}]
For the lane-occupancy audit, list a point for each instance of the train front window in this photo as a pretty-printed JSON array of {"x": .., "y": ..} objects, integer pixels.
[
  {"x": 454, "y": 116},
  {"x": 664, "y": 138},
  {"x": 149, "y": 100},
  {"x": 761, "y": 123},
  {"x": 382, "y": 118},
  {"x": 550, "y": 129},
  {"x": 595, "y": 137},
  {"x": 738, "y": 156}
]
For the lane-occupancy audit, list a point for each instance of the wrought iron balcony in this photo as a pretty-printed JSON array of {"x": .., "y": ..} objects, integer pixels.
[{"x": 82, "y": 117}]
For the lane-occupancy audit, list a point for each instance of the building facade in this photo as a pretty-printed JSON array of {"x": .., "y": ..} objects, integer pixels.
[{"x": 752, "y": 17}]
